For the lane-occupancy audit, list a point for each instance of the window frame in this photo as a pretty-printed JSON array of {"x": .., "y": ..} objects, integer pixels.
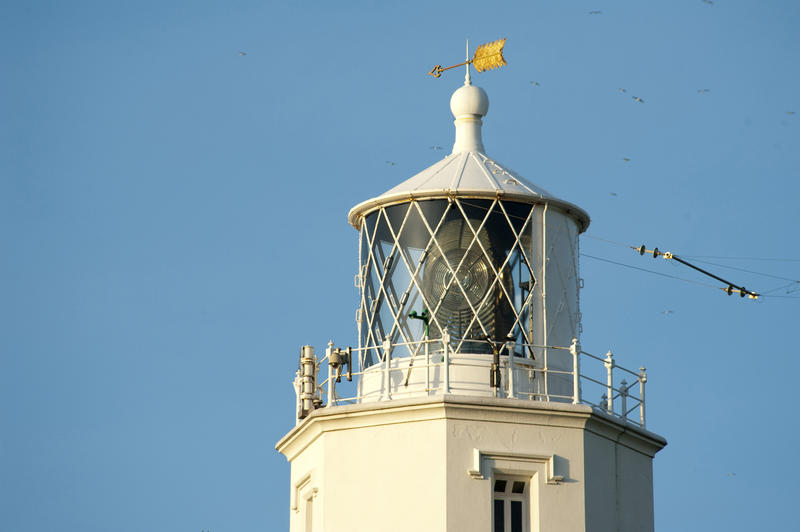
[
  {"x": 302, "y": 503},
  {"x": 507, "y": 496},
  {"x": 540, "y": 470}
]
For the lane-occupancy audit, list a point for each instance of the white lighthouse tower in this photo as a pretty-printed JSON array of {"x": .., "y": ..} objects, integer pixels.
[{"x": 469, "y": 404}]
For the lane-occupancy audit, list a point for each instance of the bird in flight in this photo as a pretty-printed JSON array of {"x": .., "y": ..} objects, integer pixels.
[
  {"x": 668, "y": 312},
  {"x": 595, "y": 12},
  {"x": 637, "y": 99},
  {"x": 613, "y": 193},
  {"x": 391, "y": 163},
  {"x": 789, "y": 112},
  {"x": 535, "y": 83},
  {"x": 435, "y": 147},
  {"x": 703, "y": 91},
  {"x": 709, "y": 2},
  {"x": 621, "y": 90},
  {"x": 242, "y": 53},
  {"x": 626, "y": 159}
]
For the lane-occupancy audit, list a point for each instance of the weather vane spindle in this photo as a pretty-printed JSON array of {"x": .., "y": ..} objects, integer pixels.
[{"x": 487, "y": 57}]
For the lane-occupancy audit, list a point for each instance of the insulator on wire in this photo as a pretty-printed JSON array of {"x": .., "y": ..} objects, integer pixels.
[{"x": 729, "y": 289}]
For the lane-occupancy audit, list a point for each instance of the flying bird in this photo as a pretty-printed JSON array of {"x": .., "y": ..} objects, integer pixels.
[
  {"x": 391, "y": 163},
  {"x": 621, "y": 90},
  {"x": 626, "y": 159},
  {"x": 709, "y": 2},
  {"x": 637, "y": 99},
  {"x": 613, "y": 193},
  {"x": 595, "y": 12},
  {"x": 242, "y": 53},
  {"x": 435, "y": 147},
  {"x": 535, "y": 83},
  {"x": 668, "y": 312},
  {"x": 703, "y": 91},
  {"x": 789, "y": 112}
]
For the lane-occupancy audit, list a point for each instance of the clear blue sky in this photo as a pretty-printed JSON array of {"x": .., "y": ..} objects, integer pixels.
[{"x": 172, "y": 229}]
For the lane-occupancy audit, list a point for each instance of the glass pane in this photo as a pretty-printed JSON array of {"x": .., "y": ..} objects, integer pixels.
[
  {"x": 463, "y": 278},
  {"x": 519, "y": 487},
  {"x": 499, "y": 517},
  {"x": 496, "y": 223},
  {"x": 386, "y": 320},
  {"x": 433, "y": 210},
  {"x": 396, "y": 214},
  {"x": 500, "y": 486},
  {"x": 382, "y": 233},
  {"x": 477, "y": 209},
  {"x": 516, "y": 516},
  {"x": 415, "y": 234},
  {"x": 517, "y": 213}
]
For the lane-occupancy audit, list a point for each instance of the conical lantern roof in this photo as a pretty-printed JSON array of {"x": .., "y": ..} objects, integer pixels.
[{"x": 467, "y": 172}]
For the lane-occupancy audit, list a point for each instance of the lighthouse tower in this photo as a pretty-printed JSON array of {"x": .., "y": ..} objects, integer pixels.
[{"x": 468, "y": 403}]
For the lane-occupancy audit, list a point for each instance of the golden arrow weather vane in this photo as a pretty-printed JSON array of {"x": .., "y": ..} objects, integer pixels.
[{"x": 487, "y": 57}]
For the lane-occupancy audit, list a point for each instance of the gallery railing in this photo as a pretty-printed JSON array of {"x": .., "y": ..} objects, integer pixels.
[{"x": 565, "y": 374}]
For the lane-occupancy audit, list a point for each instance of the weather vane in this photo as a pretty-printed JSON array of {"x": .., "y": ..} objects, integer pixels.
[{"x": 487, "y": 57}]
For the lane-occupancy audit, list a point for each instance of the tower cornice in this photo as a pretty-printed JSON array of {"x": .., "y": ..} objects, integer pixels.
[{"x": 465, "y": 408}]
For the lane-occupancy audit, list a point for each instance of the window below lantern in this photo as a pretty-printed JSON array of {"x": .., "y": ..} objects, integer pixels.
[{"x": 510, "y": 506}]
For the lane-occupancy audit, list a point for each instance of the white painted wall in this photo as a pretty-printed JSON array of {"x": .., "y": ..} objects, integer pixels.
[
  {"x": 427, "y": 464},
  {"x": 619, "y": 486}
]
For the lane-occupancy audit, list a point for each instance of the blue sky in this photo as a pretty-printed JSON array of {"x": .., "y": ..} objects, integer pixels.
[{"x": 173, "y": 228}]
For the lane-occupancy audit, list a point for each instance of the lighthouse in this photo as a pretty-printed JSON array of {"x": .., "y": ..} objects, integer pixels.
[{"x": 468, "y": 403}]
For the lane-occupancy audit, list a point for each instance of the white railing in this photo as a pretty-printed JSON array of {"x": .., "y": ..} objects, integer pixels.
[{"x": 562, "y": 374}]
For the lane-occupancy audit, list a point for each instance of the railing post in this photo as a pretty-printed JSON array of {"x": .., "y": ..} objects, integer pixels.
[
  {"x": 331, "y": 379},
  {"x": 575, "y": 350},
  {"x": 545, "y": 375},
  {"x": 387, "y": 378},
  {"x": 623, "y": 393},
  {"x": 446, "y": 363},
  {"x": 609, "y": 363},
  {"x": 642, "y": 381},
  {"x": 510, "y": 345},
  {"x": 427, "y": 367}
]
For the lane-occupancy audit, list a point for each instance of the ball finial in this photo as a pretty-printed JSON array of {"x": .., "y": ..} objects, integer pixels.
[{"x": 469, "y": 100}]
